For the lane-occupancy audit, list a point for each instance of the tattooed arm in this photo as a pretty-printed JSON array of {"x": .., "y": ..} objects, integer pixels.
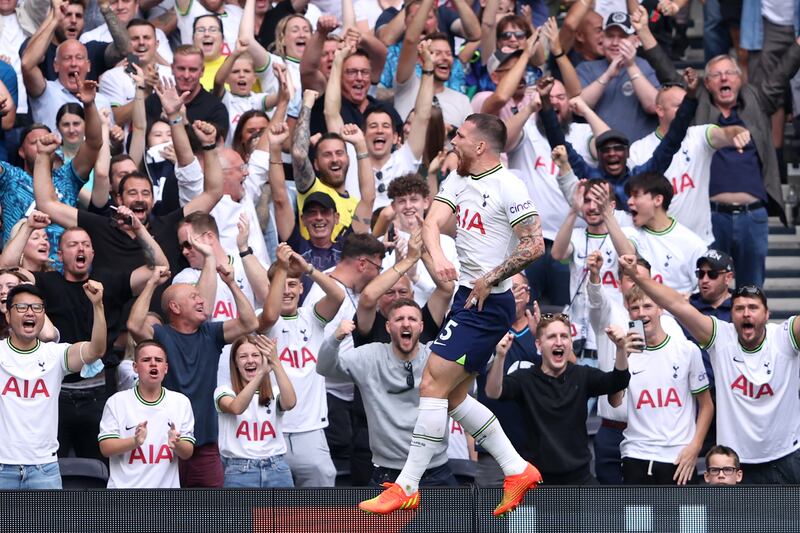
[
  {"x": 529, "y": 249},
  {"x": 121, "y": 45},
  {"x": 303, "y": 171}
]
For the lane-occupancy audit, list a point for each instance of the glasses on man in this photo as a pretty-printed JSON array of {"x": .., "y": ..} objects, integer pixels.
[
  {"x": 728, "y": 74},
  {"x": 506, "y": 35},
  {"x": 711, "y": 274},
  {"x": 373, "y": 263},
  {"x": 727, "y": 470},
  {"x": 241, "y": 168},
  {"x": 409, "y": 368},
  {"x": 353, "y": 72},
  {"x": 612, "y": 148},
  {"x": 212, "y": 30},
  {"x": 23, "y": 308}
]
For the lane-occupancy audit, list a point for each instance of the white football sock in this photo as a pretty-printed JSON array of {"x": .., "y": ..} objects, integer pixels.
[{"x": 426, "y": 440}]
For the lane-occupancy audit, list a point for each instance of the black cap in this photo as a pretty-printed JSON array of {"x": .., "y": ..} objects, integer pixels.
[
  {"x": 611, "y": 135},
  {"x": 716, "y": 260},
  {"x": 620, "y": 20},
  {"x": 319, "y": 198},
  {"x": 499, "y": 57}
]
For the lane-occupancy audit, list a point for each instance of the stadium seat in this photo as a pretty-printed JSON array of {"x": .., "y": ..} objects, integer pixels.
[{"x": 83, "y": 473}]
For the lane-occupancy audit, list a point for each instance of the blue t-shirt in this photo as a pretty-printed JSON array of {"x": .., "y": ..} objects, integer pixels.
[
  {"x": 735, "y": 172},
  {"x": 16, "y": 197},
  {"x": 9, "y": 79},
  {"x": 193, "y": 359}
]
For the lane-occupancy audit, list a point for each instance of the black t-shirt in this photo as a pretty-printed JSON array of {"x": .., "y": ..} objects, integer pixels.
[
  {"x": 205, "y": 106},
  {"x": 266, "y": 33},
  {"x": 430, "y": 329},
  {"x": 95, "y": 50},
  {"x": 351, "y": 114}
]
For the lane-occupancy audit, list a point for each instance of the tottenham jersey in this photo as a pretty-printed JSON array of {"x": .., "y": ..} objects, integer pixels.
[
  {"x": 672, "y": 254},
  {"x": 690, "y": 175},
  {"x": 153, "y": 464},
  {"x": 299, "y": 338},
  {"x": 457, "y": 445},
  {"x": 487, "y": 208},
  {"x": 254, "y": 434},
  {"x": 661, "y": 409},
  {"x": 30, "y": 381},
  {"x": 758, "y": 410}
]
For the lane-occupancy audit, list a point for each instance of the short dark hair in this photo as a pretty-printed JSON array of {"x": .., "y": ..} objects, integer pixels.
[
  {"x": 149, "y": 342},
  {"x": 408, "y": 184},
  {"x": 749, "y": 291},
  {"x": 206, "y": 15},
  {"x": 133, "y": 175},
  {"x": 200, "y": 222},
  {"x": 381, "y": 108},
  {"x": 292, "y": 273},
  {"x": 719, "y": 449},
  {"x": 327, "y": 136},
  {"x": 402, "y": 302},
  {"x": 651, "y": 183},
  {"x": 358, "y": 244},
  {"x": 70, "y": 230},
  {"x": 24, "y": 288},
  {"x": 141, "y": 22},
  {"x": 491, "y": 129}
]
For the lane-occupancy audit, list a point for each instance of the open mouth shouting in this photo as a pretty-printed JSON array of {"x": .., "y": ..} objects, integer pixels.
[
  {"x": 80, "y": 261},
  {"x": 442, "y": 69},
  {"x": 250, "y": 370},
  {"x": 139, "y": 209},
  {"x": 207, "y": 44},
  {"x": 29, "y": 325},
  {"x": 559, "y": 355}
]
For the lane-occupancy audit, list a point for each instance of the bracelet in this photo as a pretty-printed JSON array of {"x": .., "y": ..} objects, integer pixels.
[
  {"x": 80, "y": 353},
  {"x": 247, "y": 252},
  {"x": 141, "y": 87},
  {"x": 177, "y": 120},
  {"x": 562, "y": 54},
  {"x": 208, "y": 147},
  {"x": 310, "y": 271},
  {"x": 394, "y": 267},
  {"x": 601, "y": 82},
  {"x": 276, "y": 163},
  {"x": 637, "y": 75},
  {"x": 427, "y": 71},
  {"x": 362, "y": 155}
]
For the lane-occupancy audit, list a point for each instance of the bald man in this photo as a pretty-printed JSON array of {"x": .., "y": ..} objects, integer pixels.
[{"x": 194, "y": 343}]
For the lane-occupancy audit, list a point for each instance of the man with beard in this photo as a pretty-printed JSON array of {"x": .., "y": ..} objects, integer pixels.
[
  {"x": 46, "y": 97},
  {"x": 327, "y": 174},
  {"x": 498, "y": 235},
  {"x": 757, "y": 365},
  {"x": 388, "y": 376},
  {"x": 65, "y": 21},
  {"x": 115, "y": 243},
  {"x": 530, "y": 152},
  {"x": 187, "y": 69}
]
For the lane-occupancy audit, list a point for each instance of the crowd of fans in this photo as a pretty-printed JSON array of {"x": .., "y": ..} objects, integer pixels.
[{"x": 213, "y": 269}]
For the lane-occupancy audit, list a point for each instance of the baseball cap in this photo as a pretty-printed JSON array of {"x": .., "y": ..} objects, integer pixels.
[
  {"x": 620, "y": 20},
  {"x": 499, "y": 57},
  {"x": 611, "y": 135},
  {"x": 319, "y": 198},
  {"x": 716, "y": 260}
]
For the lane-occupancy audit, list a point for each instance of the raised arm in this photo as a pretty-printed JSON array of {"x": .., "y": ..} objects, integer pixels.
[
  {"x": 247, "y": 36},
  {"x": 84, "y": 160},
  {"x": 121, "y": 40},
  {"x": 333, "y": 91},
  {"x": 221, "y": 77},
  {"x": 562, "y": 248},
  {"x": 494, "y": 378},
  {"x": 594, "y": 90},
  {"x": 153, "y": 254},
  {"x": 602, "y": 194},
  {"x": 43, "y": 190},
  {"x": 15, "y": 246},
  {"x": 362, "y": 216},
  {"x": 212, "y": 171},
  {"x": 137, "y": 319},
  {"x": 391, "y": 32},
  {"x": 553, "y": 131},
  {"x": 642, "y": 87},
  {"x": 626, "y": 344},
  {"x": 488, "y": 41},
  {"x": 138, "y": 123},
  {"x": 247, "y": 321},
  {"x": 516, "y": 122},
  {"x": 467, "y": 25},
  {"x": 408, "y": 53},
  {"x": 304, "y": 174},
  {"x": 173, "y": 105},
  {"x": 284, "y": 211},
  {"x": 722, "y": 137},
  {"x": 328, "y": 362},
  {"x": 253, "y": 269},
  {"x": 272, "y": 307},
  {"x": 86, "y": 353},
  {"x": 101, "y": 185},
  {"x": 32, "y": 75},
  {"x": 310, "y": 75},
  {"x": 508, "y": 85},
  {"x": 572, "y": 22},
  {"x": 598, "y": 125},
  {"x": 572, "y": 84}
]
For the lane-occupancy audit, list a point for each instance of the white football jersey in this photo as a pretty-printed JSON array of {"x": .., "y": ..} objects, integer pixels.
[
  {"x": 457, "y": 445},
  {"x": 237, "y": 105},
  {"x": 690, "y": 175},
  {"x": 231, "y": 19},
  {"x": 661, "y": 408},
  {"x": 487, "y": 208},
  {"x": 30, "y": 382},
  {"x": 672, "y": 254},
  {"x": 758, "y": 409},
  {"x": 299, "y": 338},
  {"x": 153, "y": 464},
  {"x": 539, "y": 171},
  {"x": 254, "y": 434}
]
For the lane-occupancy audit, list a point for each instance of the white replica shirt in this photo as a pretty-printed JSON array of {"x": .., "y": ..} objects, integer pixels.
[
  {"x": 690, "y": 174},
  {"x": 672, "y": 254},
  {"x": 153, "y": 464},
  {"x": 424, "y": 285},
  {"x": 661, "y": 409},
  {"x": 119, "y": 88},
  {"x": 532, "y": 157},
  {"x": 758, "y": 410},
  {"x": 237, "y": 105},
  {"x": 231, "y": 19},
  {"x": 30, "y": 382},
  {"x": 584, "y": 243},
  {"x": 401, "y": 163},
  {"x": 103, "y": 35},
  {"x": 487, "y": 208},
  {"x": 457, "y": 445},
  {"x": 11, "y": 38},
  {"x": 46, "y": 105},
  {"x": 269, "y": 83},
  {"x": 606, "y": 310},
  {"x": 344, "y": 390},
  {"x": 455, "y": 105},
  {"x": 254, "y": 434},
  {"x": 299, "y": 338}
]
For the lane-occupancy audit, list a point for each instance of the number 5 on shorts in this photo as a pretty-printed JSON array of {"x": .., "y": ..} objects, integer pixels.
[{"x": 447, "y": 332}]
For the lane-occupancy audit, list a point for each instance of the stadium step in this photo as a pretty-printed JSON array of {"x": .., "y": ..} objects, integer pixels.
[{"x": 782, "y": 284}]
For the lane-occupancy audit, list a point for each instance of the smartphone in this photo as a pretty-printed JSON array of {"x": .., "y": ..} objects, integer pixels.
[
  {"x": 125, "y": 219},
  {"x": 391, "y": 234},
  {"x": 133, "y": 59},
  {"x": 638, "y": 327}
]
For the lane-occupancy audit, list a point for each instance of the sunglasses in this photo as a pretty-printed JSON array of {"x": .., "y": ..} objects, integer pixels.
[
  {"x": 749, "y": 290},
  {"x": 509, "y": 34},
  {"x": 409, "y": 368},
  {"x": 612, "y": 148},
  {"x": 712, "y": 274},
  {"x": 562, "y": 317}
]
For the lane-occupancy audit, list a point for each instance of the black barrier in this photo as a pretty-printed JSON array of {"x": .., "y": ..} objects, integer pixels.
[{"x": 546, "y": 509}]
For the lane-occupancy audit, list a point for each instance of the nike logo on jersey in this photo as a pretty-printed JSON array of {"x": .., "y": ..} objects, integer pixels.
[
  {"x": 738, "y": 360},
  {"x": 637, "y": 372},
  {"x": 128, "y": 428},
  {"x": 283, "y": 330}
]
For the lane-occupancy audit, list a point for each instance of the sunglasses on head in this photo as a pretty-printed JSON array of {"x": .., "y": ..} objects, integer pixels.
[
  {"x": 551, "y": 317},
  {"x": 749, "y": 290}
]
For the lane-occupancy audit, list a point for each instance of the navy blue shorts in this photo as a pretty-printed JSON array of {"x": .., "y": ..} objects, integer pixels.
[{"x": 469, "y": 336}]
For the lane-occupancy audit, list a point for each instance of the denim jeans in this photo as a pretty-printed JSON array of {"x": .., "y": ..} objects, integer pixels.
[
  {"x": 548, "y": 279},
  {"x": 782, "y": 471},
  {"x": 743, "y": 236},
  {"x": 269, "y": 473},
  {"x": 716, "y": 37},
  {"x": 607, "y": 460},
  {"x": 34, "y": 477},
  {"x": 79, "y": 414},
  {"x": 438, "y": 476}
]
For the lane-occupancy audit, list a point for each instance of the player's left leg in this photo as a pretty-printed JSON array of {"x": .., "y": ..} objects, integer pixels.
[{"x": 479, "y": 421}]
